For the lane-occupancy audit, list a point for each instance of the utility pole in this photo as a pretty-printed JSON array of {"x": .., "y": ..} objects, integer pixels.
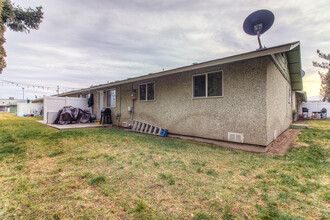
[{"x": 23, "y": 92}]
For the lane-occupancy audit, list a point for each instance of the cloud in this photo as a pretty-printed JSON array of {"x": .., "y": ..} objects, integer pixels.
[
  {"x": 82, "y": 43},
  {"x": 312, "y": 84}
]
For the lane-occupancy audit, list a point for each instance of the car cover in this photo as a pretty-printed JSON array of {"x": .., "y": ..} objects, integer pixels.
[{"x": 71, "y": 115}]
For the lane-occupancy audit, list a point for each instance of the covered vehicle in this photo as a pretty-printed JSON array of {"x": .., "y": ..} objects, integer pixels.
[{"x": 71, "y": 115}]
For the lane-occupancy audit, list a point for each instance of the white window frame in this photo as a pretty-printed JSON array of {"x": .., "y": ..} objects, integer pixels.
[
  {"x": 206, "y": 87},
  {"x": 112, "y": 106},
  {"x": 146, "y": 100}
]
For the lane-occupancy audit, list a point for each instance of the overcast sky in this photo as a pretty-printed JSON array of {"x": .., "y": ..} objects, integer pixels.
[{"x": 82, "y": 43}]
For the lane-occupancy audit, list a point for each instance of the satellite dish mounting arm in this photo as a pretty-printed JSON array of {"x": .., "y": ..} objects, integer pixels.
[{"x": 258, "y": 31}]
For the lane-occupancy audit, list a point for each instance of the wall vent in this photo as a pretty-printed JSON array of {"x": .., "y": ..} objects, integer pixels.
[{"x": 235, "y": 137}]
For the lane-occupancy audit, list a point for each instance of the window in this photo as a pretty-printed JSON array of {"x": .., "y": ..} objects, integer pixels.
[
  {"x": 199, "y": 86},
  {"x": 147, "y": 92},
  {"x": 207, "y": 85},
  {"x": 290, "y": 94},
  {"x": 111, "y": 98}
]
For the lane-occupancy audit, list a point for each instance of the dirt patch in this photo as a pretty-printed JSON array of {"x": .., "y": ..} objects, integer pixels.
[{"x": 283, "y": 142}]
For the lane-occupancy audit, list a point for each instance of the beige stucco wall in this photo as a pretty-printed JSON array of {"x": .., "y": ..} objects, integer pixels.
[
  {"x": 279, "y": 110},
  {"x": 242, "y": 109},
  {"x": 254, "y": 103}
]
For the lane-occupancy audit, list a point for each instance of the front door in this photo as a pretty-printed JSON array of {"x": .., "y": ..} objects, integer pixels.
[{"x": 100, "y": 102}]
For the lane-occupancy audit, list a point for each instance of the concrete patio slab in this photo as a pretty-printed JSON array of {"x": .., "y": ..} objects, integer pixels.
[{"x": 75, "y": 126}]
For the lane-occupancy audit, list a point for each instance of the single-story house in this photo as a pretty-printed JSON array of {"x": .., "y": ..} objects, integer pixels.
[
  {"x": 246, "y": 98},
  {"x": 10, "y": 105}
]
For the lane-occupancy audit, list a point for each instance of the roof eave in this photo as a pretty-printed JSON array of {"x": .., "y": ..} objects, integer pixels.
[
  {"x": 302, "y": 95},
  {"x": 294, "y": 62}
]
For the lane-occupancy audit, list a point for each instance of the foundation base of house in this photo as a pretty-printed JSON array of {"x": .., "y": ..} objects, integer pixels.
[
  {"x": 279, "y": 146},
  {"x": 75, "y": 126},
  {"x": 224, "y": 144}
]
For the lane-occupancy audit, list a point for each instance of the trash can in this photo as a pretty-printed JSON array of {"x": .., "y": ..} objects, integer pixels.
[
  {"x": 324, "y": 113},
  {"x": 305, "y": 112}
]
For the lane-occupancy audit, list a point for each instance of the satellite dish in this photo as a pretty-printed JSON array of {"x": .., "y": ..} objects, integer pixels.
[
  {"x": 302, "y": 73},
  {"x": 258, "y": 23}
]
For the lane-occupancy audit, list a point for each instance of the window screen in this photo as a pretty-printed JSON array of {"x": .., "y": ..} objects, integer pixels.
[
  {"x": 199, "y": 86},
  {"x": 143, "y": 92},
  {"x": 151, "y": 91},
  {"x": 111, "y": 98},
  {"x": 214, "y": 84},
  {"x": 290, "y": 95}
]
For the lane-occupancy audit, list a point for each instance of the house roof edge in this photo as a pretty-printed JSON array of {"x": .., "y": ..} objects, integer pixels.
[{"x": 235, "y": 58}]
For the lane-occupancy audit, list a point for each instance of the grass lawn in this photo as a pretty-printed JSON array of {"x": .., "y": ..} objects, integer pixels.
[{"x": 97, "y": 173}]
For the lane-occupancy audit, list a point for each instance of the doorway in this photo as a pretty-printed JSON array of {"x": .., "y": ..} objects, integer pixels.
[{"x": 100, "y": 102}]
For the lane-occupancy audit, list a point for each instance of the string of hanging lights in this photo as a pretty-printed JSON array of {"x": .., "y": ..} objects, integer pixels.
[{"x": 56, "y": 88}]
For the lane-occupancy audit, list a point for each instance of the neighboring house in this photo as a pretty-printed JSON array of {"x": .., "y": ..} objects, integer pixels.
[
  {"x": 317, "y": 98},
  {"x": 10, "y": 105},
  {"x": 246, "y": 98}
]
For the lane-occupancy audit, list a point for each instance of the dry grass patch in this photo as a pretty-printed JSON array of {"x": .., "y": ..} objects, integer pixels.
[{"x": 95, "y": 173}]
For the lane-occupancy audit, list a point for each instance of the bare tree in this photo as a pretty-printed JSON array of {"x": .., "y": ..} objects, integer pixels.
[{"x": 325, "y": 77}]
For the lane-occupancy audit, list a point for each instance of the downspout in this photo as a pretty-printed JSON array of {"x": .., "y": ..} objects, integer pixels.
[
  {"x": 132, "y": 114},
  {"x": 119, "y": 115},
  {"x": 120, "y": 100}
]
